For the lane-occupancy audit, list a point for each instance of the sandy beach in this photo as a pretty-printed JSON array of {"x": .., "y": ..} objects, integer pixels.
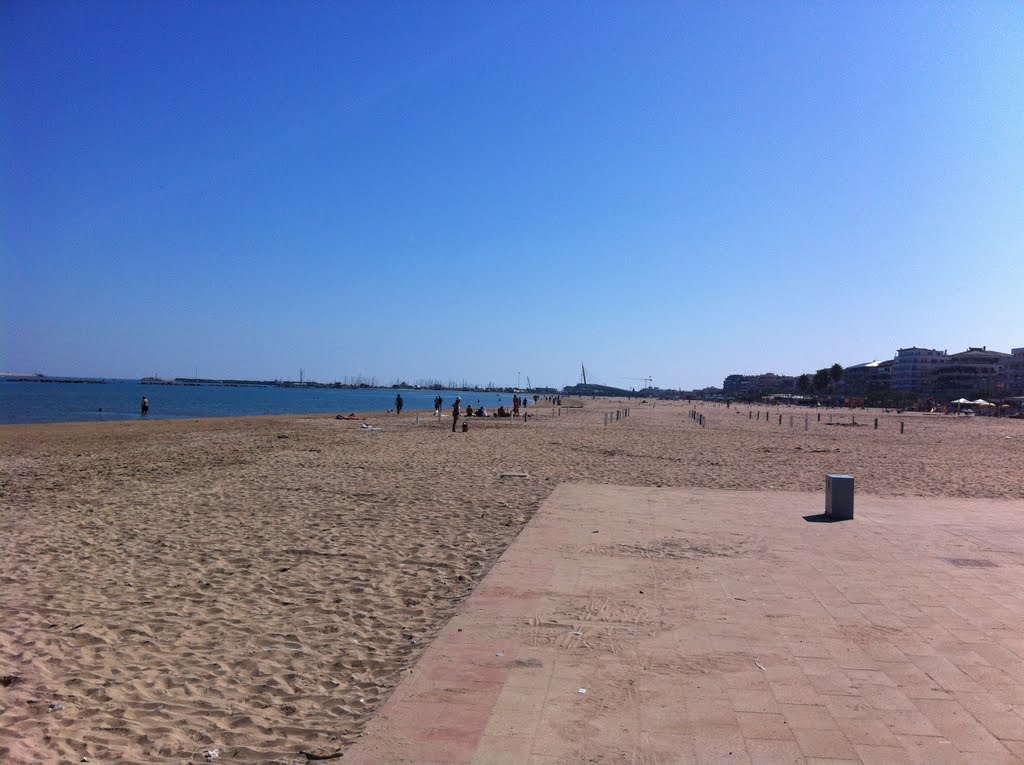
[{"x": 258, "y": 586}]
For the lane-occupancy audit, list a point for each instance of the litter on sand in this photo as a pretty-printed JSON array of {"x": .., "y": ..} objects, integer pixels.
[
  {"x": 515, "y": 475},
  {"x": 212, "y": 755},
  {"x": 760, "y": 666},
  {"x": 364, "y": 426},
  {"x": 583, "y": 691}
]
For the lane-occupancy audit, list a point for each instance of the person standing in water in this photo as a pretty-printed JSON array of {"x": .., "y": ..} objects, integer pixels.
[
  {"x": 145, "y": 406},
  {"x": 398, "y": 403}
]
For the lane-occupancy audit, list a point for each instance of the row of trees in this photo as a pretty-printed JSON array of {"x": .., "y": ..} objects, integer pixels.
[{"x": 822, "y": 379}]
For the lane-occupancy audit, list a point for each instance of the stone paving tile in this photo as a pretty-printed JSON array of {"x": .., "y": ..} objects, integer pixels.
[
  {"x": 959, "y": 726},
  {"x": 830, "y": 744},
  {"x": 867, "y": 731},
  {"x": 760, "y": 725},
  {"x": 773, "y": 752},
  {"x": 712, "y": 626},
  {"x": 871, "y": 754}
]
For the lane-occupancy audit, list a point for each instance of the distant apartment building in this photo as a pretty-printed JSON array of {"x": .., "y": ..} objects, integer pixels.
[
  {"x": 743, "y": 386},
  {"x": 970, "y": 373},
  {"x": 866, "y": 377},
  {"x": 1012, "y": 373},
  {"x": 913, "y": 369}
]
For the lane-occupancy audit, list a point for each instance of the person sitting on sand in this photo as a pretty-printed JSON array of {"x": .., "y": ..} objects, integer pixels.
[{"x": 469, "y": 410}]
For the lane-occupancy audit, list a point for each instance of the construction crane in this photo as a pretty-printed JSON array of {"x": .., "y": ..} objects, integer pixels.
[{"x": 646, "y": 380}]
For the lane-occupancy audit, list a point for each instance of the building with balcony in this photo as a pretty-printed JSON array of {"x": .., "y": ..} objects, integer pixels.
[
  {"x": 972, "y": 373},
  {"x": 913, "y": 369},
  {"x": 867, "y": 377},
  {"x": 1012, "y": 373}
]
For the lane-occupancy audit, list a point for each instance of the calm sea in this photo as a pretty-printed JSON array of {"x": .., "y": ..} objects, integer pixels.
[{"x": 33, "y": 402}]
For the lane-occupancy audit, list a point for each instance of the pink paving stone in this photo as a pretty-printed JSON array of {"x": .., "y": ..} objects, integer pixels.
[{"x": 757, "y": 637}]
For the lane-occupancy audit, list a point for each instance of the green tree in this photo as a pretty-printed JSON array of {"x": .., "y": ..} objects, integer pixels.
[
  {"x": 804, "y": 383},
  {"x": 821, "y": 378},
  {"x": 836, "y": 373}
]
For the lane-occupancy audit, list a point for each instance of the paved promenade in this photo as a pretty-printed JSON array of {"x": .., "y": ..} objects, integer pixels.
[{"x": 651, "y": 626}]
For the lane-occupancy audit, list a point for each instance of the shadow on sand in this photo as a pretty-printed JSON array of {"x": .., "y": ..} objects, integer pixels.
[{"x": 822, "y": 518}]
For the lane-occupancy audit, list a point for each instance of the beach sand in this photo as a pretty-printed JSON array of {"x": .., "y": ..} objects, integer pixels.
[{"x": 258, "y": 586}]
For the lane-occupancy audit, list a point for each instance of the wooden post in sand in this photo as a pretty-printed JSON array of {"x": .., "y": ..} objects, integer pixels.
[
  {"x": 901, "y": 427},
  {"x": 876, "y": 423},
  {"x": 780, "y": 419},
  {"x": 819, "y": 416}
]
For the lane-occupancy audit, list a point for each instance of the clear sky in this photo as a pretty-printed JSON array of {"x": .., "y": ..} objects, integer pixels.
[{"x": 479, "y": 190}]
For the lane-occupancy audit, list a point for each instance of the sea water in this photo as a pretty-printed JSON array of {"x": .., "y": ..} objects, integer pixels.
[{"x": 65, "y": 401}]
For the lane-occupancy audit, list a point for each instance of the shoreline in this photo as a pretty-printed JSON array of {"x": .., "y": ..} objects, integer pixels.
[{"x": 120, "y": 402}]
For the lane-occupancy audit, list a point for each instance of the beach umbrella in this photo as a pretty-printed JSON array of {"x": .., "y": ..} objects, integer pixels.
[
  {"x": 961, "y": 401},
  {"x": 982, "y": 402}
]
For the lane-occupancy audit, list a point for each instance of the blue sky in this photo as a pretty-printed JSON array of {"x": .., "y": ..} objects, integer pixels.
[{"x": 471, "y": 191}]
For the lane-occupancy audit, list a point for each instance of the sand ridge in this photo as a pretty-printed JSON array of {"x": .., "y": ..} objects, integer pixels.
[{"x": 257, "y": 586}]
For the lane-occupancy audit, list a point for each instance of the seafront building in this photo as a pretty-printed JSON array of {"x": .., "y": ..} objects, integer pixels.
[
  {"x": 745, "y": 386},
  {"x": 914, "y": 372},
  {"x": 871, "y": 375},
  {"x": 971, "y": 373},
  {"x": 1012, "y": 372},
  {"x": 914, "y": 368}
]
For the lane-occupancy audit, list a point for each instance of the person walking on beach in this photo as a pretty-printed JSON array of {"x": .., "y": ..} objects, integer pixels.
[
  {"x": 398, "y": 403},
  {"x": 455, "y": 412},
  {"x": 145, "y": 406}
]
